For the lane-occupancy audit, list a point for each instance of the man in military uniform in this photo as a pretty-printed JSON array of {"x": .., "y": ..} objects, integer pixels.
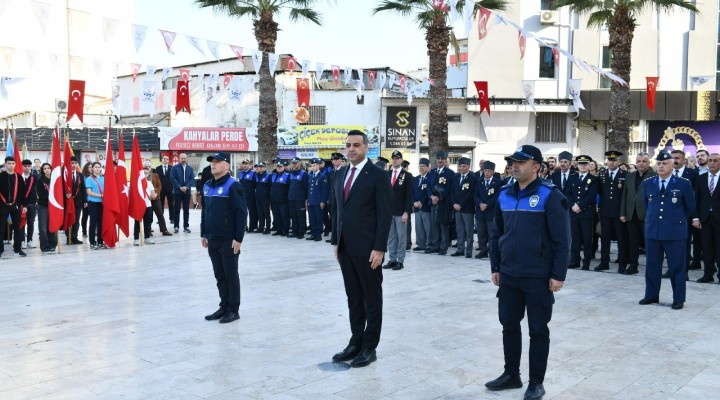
[
  {"x": 439, "y": 186},
  {"x": 708, "y": 209},
  {"x": 317, "y": 196},
  {"x": 262, "y": 199},
  {"x": 463, "y": 202},
  {"x": 670, "y": 204},
  {"x": 564, "y": 177},
  {"x": 279, "y": 187},
  {"x": 583, "y": 192},
  {"x": 297, "y": 195},
  {"x": 486, "y": 190},
  {"x": 421, "y": 206},
  {"x": 247, "y": 179},
  {"x": 632, "y": 210},
  {"x": 612, "y": 181}
]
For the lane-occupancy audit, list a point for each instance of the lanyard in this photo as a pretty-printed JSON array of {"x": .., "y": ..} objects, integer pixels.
[
  {"x": 98, "y": 183},
  {"x": 2, "y": 197}
]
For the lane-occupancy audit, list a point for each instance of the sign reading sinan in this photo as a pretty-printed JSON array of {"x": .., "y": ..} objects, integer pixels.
[{"x": 401, "y": 128}]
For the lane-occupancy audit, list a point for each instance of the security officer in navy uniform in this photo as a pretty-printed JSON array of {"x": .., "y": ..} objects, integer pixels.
[
  {"x": 279, "y": 188},
  {"x": 262, "y": 198},
  {"x": 612, "y": 181},
  {"x": 297, "y": 195},
  {"x": 583, "y": 194},
  {"x": 670, "y": 203},
  {"x": 439, "y": 181},
  {"x": 327, "y": 168},
  {"x": 222, "y": 226},
  {"x": 317, "y": 196},
  {"x": 529, "y": 256},
  {"x": 247, "y": 179}
]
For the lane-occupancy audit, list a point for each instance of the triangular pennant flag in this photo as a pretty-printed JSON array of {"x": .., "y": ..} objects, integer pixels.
[
  {"x": 371, "y": 79},
  {"x": 409, "y": 95},
  {"x": 238, "y": 51},
  {"x": 182, "y": 102},
  {"x": 319, "y": 70},
  {"x": 77, "y": 64},
  {"x": 169, "y": 38},
  {"x": 391, "y": 80},
  {"x": 556, "y": 56},
  {"x": 150, "y": 71},
  {"x": 196, "y": 44},
  {"x": 522, "y": 43},
  {"x": 700, "y": 80},
  {"x": 8, "y": 54},
  {"x": 651, "y": 84},
  {"x": 574, "y": 86},
  {"x": 483, "y": 98},
  {"x": 347, "y": 75},
  {"x": 149, "y": 95},
  {"x": 257, "y": 58},
  {"x": 116, "y": 98},
  {"x": 382, "y": 80},
  {"x": 361, "y": 76},
  {"x": 358, "y": 85},
  {"x": 31, "y": 57},
  {"x": 135, "y": 70},
  {"x": 76, "y": 99},
  {"x": 139, "y": 32},
  {"x": 213, "y": 79},
  {"x": 403, "y": 83},
  {"x": 4, "y": 80},
  {"x": 110, "y": 27},
  {"x": 165, "y": 73},
  {"x": 227, "y": 79},
  {"x": 214, "y": 48},
  {"x": 273, "y": 60},
  {"x": 528, "y": 88},
  {"x": 42, "y": 13},
  {"x": 336, "y": 74},
  {"x": 291, "y": 64},
  {"x": 305, "y": 68},
  {"x": 184, "y": 74},
  {"x": 236, "y": 89}
]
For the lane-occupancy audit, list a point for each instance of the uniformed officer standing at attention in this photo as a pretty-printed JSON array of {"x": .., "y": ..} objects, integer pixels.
[
  {"x": 583, "y": 194},
  {"x": 612, "y": 181},
  {"x": 439, "y": 180},
  {"x": 317, "y": 196},
  {"x": 279, "y": 186},
  {"x": 297, "y": 195},
  {"x": 670, "y": 203},
  {"x": 222, "y": 226},
  {"x": 247, "y": 179},
  {"x": 529, "y": 265},
  {"x": 262, "y": 199},
  {"x": 487, "y": 189},
  {"x": 463, "y": 202}
]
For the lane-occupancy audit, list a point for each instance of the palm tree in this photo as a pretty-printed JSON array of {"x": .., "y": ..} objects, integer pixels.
[
  {"x": 263, "y": 13},
  {"x": 432, "y": 16},
  {"x": 620, "y": 17}
]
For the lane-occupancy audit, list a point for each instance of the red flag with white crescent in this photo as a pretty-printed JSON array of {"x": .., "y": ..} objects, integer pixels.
[
  {"x": 556, "y": 56},
  {"x": 336, "y": 74},
  {"x": 55, "y": 192},
  {"x": 122, "y": 187},
  {"x": 182, "y": 98},
  {"x": 483, "y": 99},
  {"x": 68, "y": 188},
  {"x": 403, "y": 83},
  {"x": 652, "y": 82},
  {"x": 237, "y": 50},
  {"x": 227, "y": 79},
  {"x": 185, "y": 74},
  {"x": 483, "y": 18},
  {"x": 522, "y": 44},
  {"x": 371, "y": 79},
  {"x": 76, "y": 99},
  {"x": 169, "y": 38},
  {"x": 303, "y": 92},
  {"x": 111, "y": 206},
  {"x": 135, "y": 70},
  {"x": 291, "y": 64},
  {"x": 138, "y": 184}
]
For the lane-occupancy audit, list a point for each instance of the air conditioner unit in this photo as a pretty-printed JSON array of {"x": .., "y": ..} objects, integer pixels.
[
  {"x": 549, "y": 17},
  {"x": 638, "y": 132},
  {"x": 45, "y": 119},
  {"x": 60, "y": 105}
]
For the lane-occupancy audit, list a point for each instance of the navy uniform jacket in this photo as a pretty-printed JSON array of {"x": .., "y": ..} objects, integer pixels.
[
  {"x": 439, "y": 183},
  {"x": 584, "y": 194},
  {"x": 556, "y": 179},
  {"x": 262, "y": 186},
  {"x": 611, "y": 193},
  {"x": 532, "y": 232},
  {"x": 178, "y": 180},
  {"x": 667, "y": 215},
  {"x": 317, "y": 189},
  {"x": 247, "y": 179},
  {"x": 463, "y": 193},
  {"x": 225, "y": 210},
  {"x": 402, "y": 192},
  {"x": 420, "y": 193},
  {"x": 298, "y": 185},
  {"x": 488, "y": 195},
  {"x": 279, "y": 186}
]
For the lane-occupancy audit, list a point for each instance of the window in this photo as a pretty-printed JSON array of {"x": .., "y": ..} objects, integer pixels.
[
  {"x": 547, "y": 5},
  {"x": 550, "y": 127},
  {"x": 317, "y": 116},
  {"x": 454, "y": 118},
  {"x": 605, "y": 83},
  {"x": 547, "y": 63},
  {"x": 170, "y": 83}
]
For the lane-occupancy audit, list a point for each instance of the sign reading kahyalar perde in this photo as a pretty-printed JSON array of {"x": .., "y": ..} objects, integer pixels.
[{"x": 208, "y": 139}]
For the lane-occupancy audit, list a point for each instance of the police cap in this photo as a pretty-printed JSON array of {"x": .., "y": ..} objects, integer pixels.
[
  {"x": 613, "y": 155},
  {"x": 383, "y": 159},
  {"x": 397, "y": 154},
  {"x": 295, "y": 160},
  {"x": 336, "y": 156},
  {"x": 583, "y": 159},
  {"x": 464, "y": 161},
  {"x": 261, "y": 164},
  {"x": 220, "y": 157},
  {"x": 405, "y": 163},
  {"x": 663, "y": 155},
  {"x": 524, "y": 153}
]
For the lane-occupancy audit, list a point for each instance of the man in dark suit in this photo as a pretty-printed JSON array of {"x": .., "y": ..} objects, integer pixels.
[
  {"x": 421, "y": 206},
  {"x": 707, "y": 197},
  {"x": 182, "y": 177},
  {"x": 583, "y": 192},
  {"x": 694, "y": 238},
  {"x": 463, "y": 201},
  {"x": 79, "y": 198},
  {"x": 439, "y": 180},
  {"x": 564, "y": 177},
  {"x": 401, "y": 183},
  {"x": 632, "y": 211},
  {"x": 359, "y": 237},
  {"x": 487, "y": 188},
  {"x": 163, "y": 172},
  {"x": 612, "y": 181}
]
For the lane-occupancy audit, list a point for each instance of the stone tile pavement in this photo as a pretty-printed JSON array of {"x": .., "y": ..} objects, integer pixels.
[{"x": 128, "y": 323}]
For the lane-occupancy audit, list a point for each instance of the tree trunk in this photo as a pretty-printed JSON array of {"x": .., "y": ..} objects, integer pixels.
[
  {"x": 438, "y": 40},
  {"x": 266, "y": 36},
  {"x": 621, "y": 28}
]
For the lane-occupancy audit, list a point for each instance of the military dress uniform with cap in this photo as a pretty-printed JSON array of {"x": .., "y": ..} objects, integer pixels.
[
  {"x": 583, "y": 192},
  {"x": 422, "y": 214},
  {"x": 222, "y": 221},
  {"x": 279, "y": 188},
  {"x": 439, "y": 185},
  {"x": 463, "y": 197},
  {"x": 408, "y": 237},
  {"x": 327, "y": 169},
  {"x": 382, "y": 163},
  {"x": 486, "y": 192},
  {"x": 565, "y": 180},
  {"x": 670, "y": 204},
  {"x": 297, "y": 195},
  {"x": 317, "y": 196},
  {"x": 610, "y": 191}
]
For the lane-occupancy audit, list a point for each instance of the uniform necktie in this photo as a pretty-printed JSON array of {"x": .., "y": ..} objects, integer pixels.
[
  {"x": 676, "y": 173},
  {"x": 394, "y": 177},
  {"x": 165, "y": 170},
  {"x": 564, "y": 181},
  {"x": 662, "y": 187},
  {"x": 487, "y": 182},
  {"x": 712, "y": 184},
  {"x": 348, "y": 184},
  {"x": 462, "y": 178},
  {"x": 612, "y": 176}
]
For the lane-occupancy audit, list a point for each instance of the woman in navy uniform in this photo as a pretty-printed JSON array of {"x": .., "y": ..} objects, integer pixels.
[{"x": 670, "y": 203}]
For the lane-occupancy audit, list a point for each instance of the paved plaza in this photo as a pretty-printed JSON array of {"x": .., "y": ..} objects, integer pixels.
[{"x": 128, "y": 323}]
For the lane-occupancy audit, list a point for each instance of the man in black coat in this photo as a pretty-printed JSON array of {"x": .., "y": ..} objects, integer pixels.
[
  {"x": 486, "y": 190},
  {"x": 612, "y": 181},
  {"x": 694, "y": 239},
  {"x": 564, "y": 177},
  {"x": 401, "y": 183},
  {"x": 359, "y": 236},
  {"x": 463, "y": 202},
  {"x": 583, "y": 194},
  {"x": 12, "y": 203},
  {"x": 707, "y": 197},
  {"x": 163, "y": 172},
  {"x": 78, "y": 197}
]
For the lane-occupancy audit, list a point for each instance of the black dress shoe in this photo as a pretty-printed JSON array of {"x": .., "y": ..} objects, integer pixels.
[
  {"x": 573, "y": 266},
  {"x": 622, "y": 269},
  {"x": 648, "y": 301},
  {"x": 229, "y": 316},
  {"x": 631, "y": 271},
  {"x": 318, "y": 238},
  {"x": 216, "y": 315},
  {"x": 431, "y": 251},
  {"x": 478, "y": 256},
  {"x": 364, "y": 358},
  {"x": 310, "y": 238},
  {"x": 328, "y": 241},
  {"x": 694, "y": 266},
  {"x": 398, "y": 266},
  {"x": 457, "y": 254},
  {"x": 666, "y": 275},
  {"x": 483, "y": 255},
  {"x": 442, "y": 252},
  {"x": 276, "y": 234},
  {"x": 418, "y": 249},
  {"x": 535, "y": 391},
  {"x": 585, "y": 268},
  {"x": 602, "y": 267},
  {"x": 677, "y": 306},
  {"x": 706, "y": 279},
  {"x": 267, "y": 232},
  {"x": 75, "y": 241},
  {"x": 389, "y": 265},
  {"x": 347, "y": 354},
  {"x": 468, "y": 255},
  {"x": 504, "y": 382},
  {"x": 616, "y": 261}
]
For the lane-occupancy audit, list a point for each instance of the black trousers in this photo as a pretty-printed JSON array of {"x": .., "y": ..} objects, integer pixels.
[
  {"x": 281, "y": 217},
  {"x": 147, "y": 225},
  {"x": 76, "y": 226},
  {"x": 95, "y": 209},
  {"x": 710, "y": 246},
  {"x": 252, "y": 212},
  {"x": 612, "y": 227},
  {"x": 326, "y": 219},
  {"x": 298, "y": 218},
  {"x": 225, "y": 268},
  {"x": 363, "y": 287},
  {"x": 158, "y": 209},
  {"x": 182, "y": 200},
  {"x": 636, "y": 240},
  {"x": 582, "y": 233},
  {"x": 168, "y": 194},
  {"x": 515, "y": 295},
  {"x": 14, "y": 212},
  {"x": 696, "y": 236},
  {"x": 263, "y": 214}
]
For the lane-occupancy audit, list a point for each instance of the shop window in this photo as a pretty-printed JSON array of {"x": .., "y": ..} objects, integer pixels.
[{"x": 550, "y": 127}]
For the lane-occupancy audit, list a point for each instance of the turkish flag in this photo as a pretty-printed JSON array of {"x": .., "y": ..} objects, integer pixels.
[
  {"x": 521, "y": 43},
  {"x": 291, "y": 64},
  {"x": 16, "y": 153},
  {"x": 139, "y": 201},
  {"x": 111, "y": 208},
  {"x": 122, "y": 189},
  {"x": 483, "y": 100},
  {"x": 182, "y": 97},
  {"x": 556, "y": 56},
  {"x": 227, "y": 78},
  {"x": 652, "y": 82},
  {"x": 336, "y": 74},
  {"x": 55, "y": 195},
  {"x": 371, "y": 79},
  {"x": 76, "y": 99},
  {"x": 403, "y": 83},
  {"x": 68, "y": 188},
  {"x": 483, "y": 17},
  {"x": 303, "y": 92},
  {"x": 185, "y": 74},
  {"x": 135, "y": 70},
  {"x": 237, "y": 50}
]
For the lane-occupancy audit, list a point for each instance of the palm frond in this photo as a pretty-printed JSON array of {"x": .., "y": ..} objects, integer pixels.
[
  {"x": 425, "y": 18},
  {"x": 666, "y": 6},
  {"x": 306, "y": 14},
  {"x": 399, "y": 7},
  {"x": 456, "y": 47},
  {"x": 585, "y": 6},
  {"x": 230, "y": 7},
  {"x": 599, "y": 18},
  {"x": 492, "y": 5}
]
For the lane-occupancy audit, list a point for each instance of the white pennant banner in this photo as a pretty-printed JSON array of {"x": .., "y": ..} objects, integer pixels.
[
  {"x": 319, "y": 70},
  {"x": 42, "y": 13},
  {"x": 31, "y": 57},
  {"x": 165, "y": 74},
  {"x": 139, "y": 32},
  {"x": 699, "y": 80},
  {"x": 169, "y": 38},
  {"x": 409, "y": 93},
  {"x": 147, "y": 100},
  {"x": 235, "y": 94},
  {"x": 150, "y": 71},
  {"x": 305, "y": 68},
  {"x": 116, "y": 98},
  {"x": 574, "y": 87},
  {"x": 361, "y": 76},
  {"x": 214, "y": 49},
  {"x": 381, "y": 80},
  {"x": 391, "y": 80},
  {"x": 257, "y": 57},
  {"x": 528, "y": 89},
  {"x": 196, "y": 44},
  {"x": 273, "y": 60},
  {"x": 110, "y": 27},
  {"x": 8, "y": 54},
  {"x": 5, "y": 81},
  {"x": 347, "y": 75}
]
